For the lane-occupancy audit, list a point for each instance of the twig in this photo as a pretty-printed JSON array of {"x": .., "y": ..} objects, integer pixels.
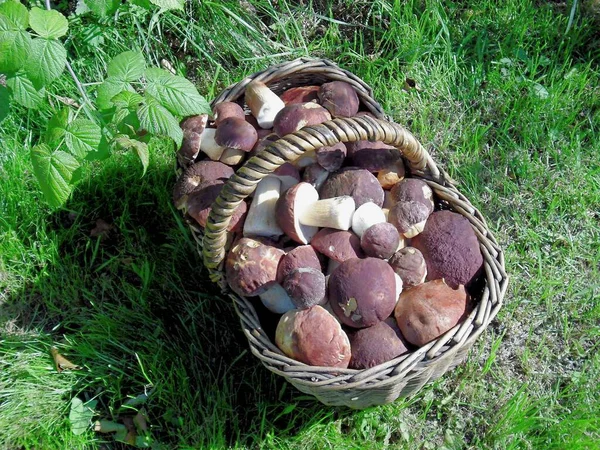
[{"x": 571, "y": 16}]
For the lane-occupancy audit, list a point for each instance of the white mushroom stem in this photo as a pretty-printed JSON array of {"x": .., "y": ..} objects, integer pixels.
[
  {"x": 232, "y": 156},
  {"x": 401, "y": 243},
  {"x": 261, "y": 220},
  {"x": 365, "y": 216},
  {"x": 414, "y": 230},
  {"x": 263, "y": 103},
  {"x": 329, "y": 213},
  {"x": 277, "y": 300},
  {"x": 209, "y": 146},
  {"x": 399, "y": 286},
  {"x": 305, "y": 160}
]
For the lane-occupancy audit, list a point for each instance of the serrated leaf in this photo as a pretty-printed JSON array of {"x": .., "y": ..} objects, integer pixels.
[
  {"x": 15, "y": 46},
  {"x": 156, "y": 119},
  {"x": 54, "y": 171},
  {"x": 57, "y": 126},
  {"x": 102, "y": 152},
  {"x": 108, "y": 89},
  {"x": 16, "y": 13},
  {"x": 47, "y": 61},
  {"x": 175, "y": 93},
  {"x": 143, "y": 3},
  {"x": 127, "y": 99},
  {"x": 169, "y": 4},
  {"x": 103, "y": 8},
  {"x": 48, "y": 23},
  {"x": 23, "y": 91},
  {"x": 82, "y": 136},
  {"x": 127, "y": 66},
  {"x": 140, "y": 148},
  {"x": 81, "y": 415},
  {"x": 4, "y": 105},
  {"x": 82, "y": 8}
]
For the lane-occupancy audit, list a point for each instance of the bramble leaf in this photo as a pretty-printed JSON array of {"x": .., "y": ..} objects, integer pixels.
[
  {"x": 48, "y": 23},
  {"x": 103, "y": 8},
  {"x": 175, "y": 93},
  {"x": 168, "y": 4},
  {"x": 4, "y": 105},
  {"x": 158, "y": 120},
  {"x": 54, "y": 171},
  {"x": 108, "y": 89},
  {"x": 81, "y": 415},
  {"x": 46, "y": 62},
  {"x": 127, "y": 66},
  {"x": 23, "y": 91},
  {"x": 16, "y": 13},
  {"x": 140, "y": 148},
  {"x": 57, "y": 126},
  {"x": 15, "y": 46},
  {"x": 82, "y": 136},
  {"x": 127, "y": 100}
]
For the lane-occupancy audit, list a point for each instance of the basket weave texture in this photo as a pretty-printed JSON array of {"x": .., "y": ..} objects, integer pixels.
[{"x": 404, "y": 375}]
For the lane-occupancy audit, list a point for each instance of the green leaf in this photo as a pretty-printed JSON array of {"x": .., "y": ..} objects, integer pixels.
[
  {"x": 82, "y": 136},
  {"x": 127, "y": 100},
  {"x": 108, "y": 89},
  {"x": 127, "y": 66},
  {"x": 168, "y": 4},
  {"x": 140, "y": 148},
  {"x": 57, "y": 127},
  {"x": 48, "y": 23},
  {"x": 16, "y": 13},
  {"x": 158, "y": 120},
  {"x": 47, "y": 61},
  {"x": 175, "y": 93},
  {"x": 102, "y": 152},
  {"x": 15, "y": 46},
  {"x": 4, "y": 105},
  {"x": 103, "y": 8},
  {"x": 143, "y": 3},
  {"x": 23, "y": 91},
  {"x": 54, "y": 171}
]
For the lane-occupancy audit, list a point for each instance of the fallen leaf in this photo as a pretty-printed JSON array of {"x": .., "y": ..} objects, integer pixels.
[
  {"x": 108, "y": 426},
  {"x": 102, "y": 229},
  {"x": 81, "y": 415},
  {"x": 61, "y": 363},
  {"x": 140, "y": 420},
  {"x": 68, "y": 101},
  {"x": 167, "y": 66},
  {"x": 131, "y": 433},
  {"x": 410, "y": 84}
]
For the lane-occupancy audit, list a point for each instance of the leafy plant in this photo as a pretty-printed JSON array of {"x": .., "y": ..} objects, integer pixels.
[{"x": 133, "y": 104}]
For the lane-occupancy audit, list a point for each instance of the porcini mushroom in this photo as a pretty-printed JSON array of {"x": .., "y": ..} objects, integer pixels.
[
  {"x": 365, "y": 216},
  {"x": 199, "y": 203},
  {"x": 299, "y": 115},
  {"x": 389, "y": 176},
  {"x": 209, "y": 146},
  {"x": 315, "y": 175},
  {"x": 380, "y": 240},
  {"x": 236, "y": 133},
  {"x": 196, "y": 174},
  {"x": 331, "y": 157},
  {"x": 410, "y": 265},
  {"x": 300, "y": 94},
  {"x": 339, "y": 98},
  {"x": 224, "y": 110},
  {"x": 413, "y": 190},
  {"x": 192, "y": 127},
  {"x": 360, "y": 184},
  {"x": 372, "y": 156},
  {"x": 377, "y": 344},
  {"x": 337, "y": 245},
  {"x": 306, "y": 287},
  {"x": 303, "y": 256},
  {"x": 408, "y": 217},
  {"x": 276, "y": 299},
  {"x": 263, "y": 103}
]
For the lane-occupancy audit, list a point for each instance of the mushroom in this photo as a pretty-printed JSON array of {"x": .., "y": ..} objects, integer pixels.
[
  {"x": 290, "y": 206},
  {"x": 337, "y": 245},
  {"x": 199, "y": 203},
  {"x": 236, "y": 133},
  {"x": 427, "y": 311},
  {"x": 306, "y": 287},
  {"x": 331, "y": 157},
  {"x": 305, "y": 159},
  {"x": 263, "y": 103},
  {"x": 209, "y": 146},
  {"x": 276, "y": 299},
  {"x": 303, "y": 256},
  {"x": 339, "y": 98},
  {"x": 261, "y": 220},
  {"x": 314, "y": 337},
  {"x": 410, "y": 265},
  {"x": 365, "y": 216},
  {"x": 408, "y": 217},
  {"x": 391, "y": 175},
  {"x": 232, "y": 156},
  {"x": 415, "y": 190},
  {"x": 362, "y": 292},
  {"x": 358, "y": 183},
  {"x": 262, "y": 142},
  {"x": 192, "y": 127},
  {"x": 196, "y": 174},
  {"x": 372, "y": 156},
  {"x": 315, "y": 175},
  {"x": 450, "y": 248},
  {"x": 251, "y": 266},
  {"x": 225, "y": 110},
  {"x": 299, "y": 115},
  {"x": 380, "y": 240},
  {"x": 377, "y": 344},
  {"x": 300, "y": 94}
]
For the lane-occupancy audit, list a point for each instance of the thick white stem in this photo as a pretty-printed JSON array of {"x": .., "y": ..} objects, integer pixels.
[
  {"x": 263, "y": 103},
  {"x": 329, "y": 213},
  {"x": 367, "y": 215},
  {"x": 261, "y": 220},
  {"x": 209, "y": 146}
]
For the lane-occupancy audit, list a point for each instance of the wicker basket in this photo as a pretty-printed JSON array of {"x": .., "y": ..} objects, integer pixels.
[{"x": 406, "y": 374}]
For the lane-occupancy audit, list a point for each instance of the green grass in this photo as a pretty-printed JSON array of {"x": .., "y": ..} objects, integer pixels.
[{"x": 510, "y": 106}]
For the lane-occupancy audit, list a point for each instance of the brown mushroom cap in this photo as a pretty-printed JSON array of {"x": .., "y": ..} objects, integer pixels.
[
  {"x": 338, "y": 245},
  {"x": 339, "y": 98},
  {"x": 375, "y": 345},
  {"x": 372, "y": 156},
  {"x": 234, "y": 132},
  {"x": 413, "y": 190},
  {"x": 427, "y": 311},
  {"x": 331, "y": 157},
  {"x": 299, "y": 115},
  {"x": 380, "y": 240},
  {"x": 301, "y": 256},
  {"x": 315, "y": 175},
  {"x": 450, "y": 248},
  {"x": 289, "y": 207},
  {"x": 314, "y": 337},
  {"x": 409, "y": 265},
  {"x": 192, "y": 127},
  {"x": 390, "y": 176},
  {"x": 360, "y": 184},
  {"x": 199, "y": 203},
  {"x": 300, "y": 94},
  {"x": 225, "y": 110},
  {"x": 251, "y": 266},
  {"x": 362, "y": 292},
  {"x": 196, "y": 174},
  {"x": 306, "y": 287},
  {"x": 408, "y": 217}
]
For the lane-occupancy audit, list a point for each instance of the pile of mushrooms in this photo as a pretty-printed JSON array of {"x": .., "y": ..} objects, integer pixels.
[{"x": 361, "y": 260}]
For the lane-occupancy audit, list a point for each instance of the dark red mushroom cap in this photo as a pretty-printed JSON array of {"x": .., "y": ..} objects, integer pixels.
[
  {"x": 372, "y": 156},
  {"x": 450, "y": 248},
  {"x": 331, "y": 157},
  {"x": 300, "y": 94},
  {"x": 192, "y": 127},
  {"x": 409, "y": 265},
  {"x": 306, "y": 287},
  {"x": 303, "y": 256},
  {"x": 377, "y": 344},
  {"x": 362, "y": 292},
  {"x": 360, "y": 184},
  {"x": 234, "y": 132},
  {"x": 413, "y": 190},
  {"x": 408, "y": 217},
  {"x": 299, "y": 115},
  {"x": 251, "y": 266},
  {"x": 380, "y": 240},
  {"x": 338, "y": 245},
  {"x": 196, "y": 174},
  {"x": 225, "y": 110},
  {"x": 339, "y": 98},
  {"x": 200, "y": 201}
]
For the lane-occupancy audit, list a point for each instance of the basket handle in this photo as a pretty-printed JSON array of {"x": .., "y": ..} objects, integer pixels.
[{"x": 289, "y": 148}]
